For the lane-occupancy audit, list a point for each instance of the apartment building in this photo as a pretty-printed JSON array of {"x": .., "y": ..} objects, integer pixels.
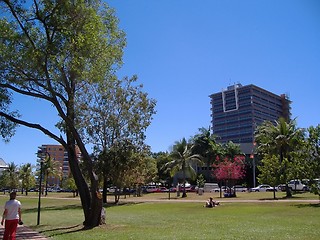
[{"x": 60, "y": 156}]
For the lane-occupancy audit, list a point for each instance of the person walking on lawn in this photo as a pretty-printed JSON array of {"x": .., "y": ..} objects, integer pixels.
[{"x": 12, "y": 215}]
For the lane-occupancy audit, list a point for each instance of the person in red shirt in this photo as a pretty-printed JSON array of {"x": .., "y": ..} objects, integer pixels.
[{"x": 12, "y": 215}]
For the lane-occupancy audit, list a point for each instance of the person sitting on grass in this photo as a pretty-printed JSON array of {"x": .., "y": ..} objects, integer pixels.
[{"x": 210, "y": 203}]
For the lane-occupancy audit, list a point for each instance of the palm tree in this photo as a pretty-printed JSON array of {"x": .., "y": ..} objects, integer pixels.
[
  {"x": 183, "y": 158},
  {"x": 11, "y": 171},
  {"x": 205, "y": 144},
  {"x": 50, "y": 168},
  {"x": 26, "y": 176},
  {"x": 280, "y": 139}
]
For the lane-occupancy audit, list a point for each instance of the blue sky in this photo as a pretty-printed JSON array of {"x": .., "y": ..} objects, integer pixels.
[{"x": 183, "y": 51}]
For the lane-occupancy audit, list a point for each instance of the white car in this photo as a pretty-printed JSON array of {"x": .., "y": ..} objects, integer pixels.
[
  {"x": 223, "y": 189},
  {"x": 152, "y": 189},
  {"x": 239, "y": 188},
  {"x": 263, "y": 188}
]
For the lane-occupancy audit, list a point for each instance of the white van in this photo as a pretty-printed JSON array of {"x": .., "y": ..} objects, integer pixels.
[
  {"x": 209, "y": 186},
  {"x": 297, "y": 185}
]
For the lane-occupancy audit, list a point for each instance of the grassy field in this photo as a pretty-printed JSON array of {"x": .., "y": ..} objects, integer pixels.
[{"x": 61, "y": 217}]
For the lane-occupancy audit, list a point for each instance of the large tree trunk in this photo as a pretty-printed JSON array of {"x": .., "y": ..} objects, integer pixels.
[
  {"x": 184, "y": 194},
  {"x": 46, "y": 184},
  {"x": 90, "y": 198},
  {"x": 284, "y": 172}
]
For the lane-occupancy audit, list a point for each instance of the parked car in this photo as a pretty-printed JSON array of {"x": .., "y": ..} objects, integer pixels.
[
  {"x": 152, "y": 189},
  {"x": 188, "y": 188},
  {"x": 209, "y": 186},
  {"x": 239, "y": 188},
  {"x": 281, "y": 187},
  {"x": 297, "y": 185},
  {"x": 163, "y": 189},
  {"x": 223, "y": 189},
  {"x": 263, "y": 188},
  {"x": 111, "y": 189}
]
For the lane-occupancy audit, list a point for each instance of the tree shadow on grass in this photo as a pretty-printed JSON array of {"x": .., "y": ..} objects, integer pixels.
[
  {"x": 110, "y": 205},
  {"x": 53, "y": 208},
  {"x": 313, "y": 205},
  {"x": 269, "y": 199},
  {"x": 63, "y": 230}
]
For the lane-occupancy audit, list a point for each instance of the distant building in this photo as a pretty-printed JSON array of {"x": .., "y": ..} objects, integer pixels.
[
  {"x": 238, "y": 110},
  {"x": 59, "y": 155},
  {"x": 3, "y": 166}
]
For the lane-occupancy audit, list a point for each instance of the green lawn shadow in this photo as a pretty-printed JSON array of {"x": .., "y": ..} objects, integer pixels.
[
  {"x": 64, "y": 230},
  {"x": 53, "y": 208}
]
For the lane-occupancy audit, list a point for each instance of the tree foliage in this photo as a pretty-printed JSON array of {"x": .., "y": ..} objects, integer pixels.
[
  {"x": 131, "y": 166},
  {"x": 162, "y": 158},
  {"x": 313, "y": 141},
  {"x": 270, "y": 170},
  {"x": 230, "y": 169},
  {"x": 313, "y": 162},
  {"x": 114, "y": 112},
  {"x": 7, "y": 128},
  {"x": 231, "y": 150},
  {"x": 11, "y": 176}
]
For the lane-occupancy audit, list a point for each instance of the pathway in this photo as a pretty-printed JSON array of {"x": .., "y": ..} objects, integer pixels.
[{"x": 24, "y": 232}]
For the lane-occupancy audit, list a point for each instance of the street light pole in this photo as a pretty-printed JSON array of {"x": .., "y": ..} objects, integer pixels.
[
  {"x": 39, "y": 200},
  {"x": 40, "y": 185},
  {"x": 253, "y": 163}
]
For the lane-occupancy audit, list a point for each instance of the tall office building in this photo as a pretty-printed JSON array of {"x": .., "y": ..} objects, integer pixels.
[
  {"x": 238, "y": 110},
  {"x": 59, "y": 155}
]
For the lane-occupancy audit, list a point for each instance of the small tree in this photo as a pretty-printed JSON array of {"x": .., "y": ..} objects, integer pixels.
[
  {"x": 230, "y": 169},
  {"x": 200, "y": 181},
  {"x": 26, "y": 177},
  {"x": 69, "y": 183},
  {"x": 270, "y": 171}
]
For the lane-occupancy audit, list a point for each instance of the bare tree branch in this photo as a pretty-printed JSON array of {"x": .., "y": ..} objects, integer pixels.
[{"x": 35, "y": 126}]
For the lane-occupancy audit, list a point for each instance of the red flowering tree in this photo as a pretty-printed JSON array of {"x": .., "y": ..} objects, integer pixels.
[{"x": 228, "y": 169}]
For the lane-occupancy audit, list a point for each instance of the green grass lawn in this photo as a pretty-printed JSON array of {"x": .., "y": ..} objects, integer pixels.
[{"x": 62, "y": 218}]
